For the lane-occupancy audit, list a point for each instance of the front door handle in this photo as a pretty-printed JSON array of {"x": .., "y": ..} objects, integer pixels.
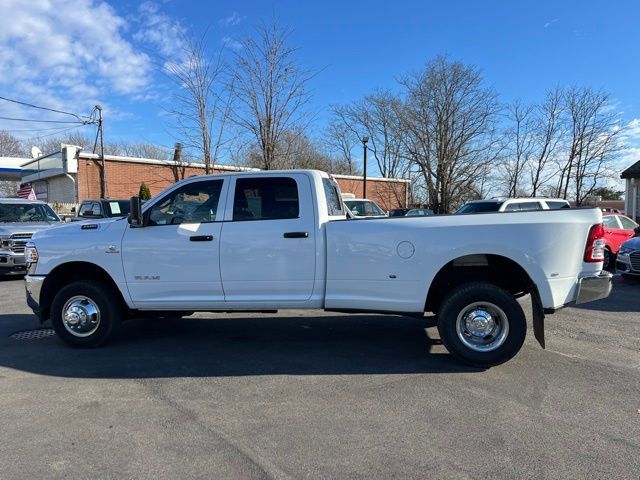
[
  {"x": 201, "y": 238},
  {"x": 296, "y": 234}
]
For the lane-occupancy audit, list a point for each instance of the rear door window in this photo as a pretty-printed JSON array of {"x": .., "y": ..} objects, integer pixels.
[
  {"x": 610, "y": 221},
  {"x": 528, "y": 206},
  {"x": 557, "y": 204},
  {"x": 266, "y": 198},
  {"x": 627, "y": 223}
]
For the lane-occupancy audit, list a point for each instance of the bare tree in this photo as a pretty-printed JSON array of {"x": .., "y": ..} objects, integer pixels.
[
  {"x": 297, "y": 150},
  {"x": 377, "y": 116},
  {"x": 519, "y": 147},
  {"x": 342, "y": 140},
  {"x": 594, "y": 141},
  {"x": 10, "y": 146},
  {"x": 204, "y": 101},
  {"x": 450, "y": 118},
  {"x": 548, "y": 134},
  {"x": 270, "y": 88}
]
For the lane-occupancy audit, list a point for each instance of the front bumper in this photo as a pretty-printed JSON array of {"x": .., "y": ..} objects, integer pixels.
[
  {"x": 628, "y": 264},
  {"x": 33, "y": 287},
  {"x": 594, "y": 287},
  {"x": 11, "y": 262}
]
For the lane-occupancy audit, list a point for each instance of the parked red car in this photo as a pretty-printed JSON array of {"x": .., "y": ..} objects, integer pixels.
[{"x": 617, "y": 230}]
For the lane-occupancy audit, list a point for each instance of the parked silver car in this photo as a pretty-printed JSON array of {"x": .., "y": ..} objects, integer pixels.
[
  {"x": 19, "y": 220},
  {"x": 628, "y": 258}
]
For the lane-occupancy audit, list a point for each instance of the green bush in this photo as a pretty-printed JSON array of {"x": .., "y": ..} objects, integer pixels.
[{"x": 144, "y": 193}]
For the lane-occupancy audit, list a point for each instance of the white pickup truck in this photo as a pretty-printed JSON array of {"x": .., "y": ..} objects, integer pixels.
[{"x": 264, "y": 241}]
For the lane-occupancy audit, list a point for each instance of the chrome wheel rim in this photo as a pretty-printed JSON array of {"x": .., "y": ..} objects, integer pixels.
[
  {"x": 482, "y": 326},
  {"x": 80, "y": 316}
]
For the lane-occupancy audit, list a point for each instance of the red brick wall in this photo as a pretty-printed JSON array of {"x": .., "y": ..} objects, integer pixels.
[
  {"x": 124, "y": 178},
  {"x": 386, "y": 194}
]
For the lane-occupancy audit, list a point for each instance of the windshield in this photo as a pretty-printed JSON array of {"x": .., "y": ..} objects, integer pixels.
[
  {"x": 480, "y": 207},
  {"x": 363, "y": 208},
  {"x": 26, "y": 212}
]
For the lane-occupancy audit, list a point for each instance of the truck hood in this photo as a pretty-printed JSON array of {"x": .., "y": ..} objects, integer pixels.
[
  {"x": 10, "y": 228},
  {"x": 78, "y": 228}
]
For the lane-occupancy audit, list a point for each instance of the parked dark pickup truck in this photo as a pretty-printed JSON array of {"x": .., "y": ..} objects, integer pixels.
[
  {"x": 19, "y": 220},
  {"x": 90, "y": 209}
]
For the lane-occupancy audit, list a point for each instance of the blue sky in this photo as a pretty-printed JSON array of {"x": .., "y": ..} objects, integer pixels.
[{"x": 72, "y": 54}]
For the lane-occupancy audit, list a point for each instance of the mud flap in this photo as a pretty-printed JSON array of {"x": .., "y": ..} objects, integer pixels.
[{"x": 538, "y": 317}]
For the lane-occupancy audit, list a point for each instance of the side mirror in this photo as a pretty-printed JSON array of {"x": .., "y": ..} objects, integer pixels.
[
  {"x": 135, "y": 215},
  {"x": 637, "y": 231}
]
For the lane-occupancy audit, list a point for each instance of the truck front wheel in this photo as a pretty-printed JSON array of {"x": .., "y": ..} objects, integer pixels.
[
  {"x": 481, "y": 324},
  {"x": 86, "y": 313}
]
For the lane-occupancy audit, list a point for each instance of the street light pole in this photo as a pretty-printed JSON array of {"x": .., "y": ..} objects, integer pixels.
[{"x": 364, "y": 184}]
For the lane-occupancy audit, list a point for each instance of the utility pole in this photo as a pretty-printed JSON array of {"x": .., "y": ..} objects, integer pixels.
[
  {"x": 364, "y": 184},
  {"x": 101, "y": 165},
  {"x": 178, "y": 166}
]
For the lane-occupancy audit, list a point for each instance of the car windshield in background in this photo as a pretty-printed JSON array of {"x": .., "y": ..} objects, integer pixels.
[
  {"x": 480, "y": 207},
  {"x": 363, "y": 208},
  {"x": 22, "y": 213}
]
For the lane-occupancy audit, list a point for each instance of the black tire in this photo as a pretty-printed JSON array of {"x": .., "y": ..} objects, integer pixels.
[
  {"x": 609, "y": 259},
  {"x": 103, "y": 297},
  {"x": 488, "y": 298}
]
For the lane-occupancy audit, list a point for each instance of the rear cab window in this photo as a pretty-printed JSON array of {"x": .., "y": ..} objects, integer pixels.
[{"x": 333, "y": 198}]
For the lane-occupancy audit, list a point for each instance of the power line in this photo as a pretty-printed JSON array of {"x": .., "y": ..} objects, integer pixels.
[
  {"x": 56, "y": 133},
  {"x": 43, "y": 108},
  {"x": 43, "y": 121}
]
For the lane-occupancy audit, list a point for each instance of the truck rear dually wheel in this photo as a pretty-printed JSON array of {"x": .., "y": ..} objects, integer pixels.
[
  {"x": 481, "y": 324},
  {"x": 86, "y": 313}
]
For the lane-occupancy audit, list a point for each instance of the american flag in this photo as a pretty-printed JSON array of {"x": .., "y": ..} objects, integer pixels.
[{"x": 26, "y": 191}]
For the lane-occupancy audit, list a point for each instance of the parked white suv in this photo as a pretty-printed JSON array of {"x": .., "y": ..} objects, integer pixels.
[{"x": 513, "y": 205}]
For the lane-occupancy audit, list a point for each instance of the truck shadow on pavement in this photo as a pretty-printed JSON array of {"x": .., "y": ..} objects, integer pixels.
[
  {"x": 623, "y": 298},
  {"x": 225, "y": 346}
]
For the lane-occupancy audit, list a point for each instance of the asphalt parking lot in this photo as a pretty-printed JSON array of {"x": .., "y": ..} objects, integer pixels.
[{"x": 316, "y": 395}]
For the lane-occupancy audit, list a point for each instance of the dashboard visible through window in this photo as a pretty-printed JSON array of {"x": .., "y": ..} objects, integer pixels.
[{"x": 192, "y": 203}]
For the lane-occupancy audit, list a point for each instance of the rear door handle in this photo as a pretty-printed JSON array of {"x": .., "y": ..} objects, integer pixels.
[
  {"x": 201, "y": 238},
  {"x": 296, "y": 234}
]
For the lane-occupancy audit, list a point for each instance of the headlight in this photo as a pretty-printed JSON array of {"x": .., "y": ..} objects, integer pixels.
[
  {"x": 625, "y": 251},
  {"x": 30, "y": 253}
]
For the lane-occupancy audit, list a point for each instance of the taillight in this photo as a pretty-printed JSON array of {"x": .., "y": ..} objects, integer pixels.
[{"x": 594, "y": 252}]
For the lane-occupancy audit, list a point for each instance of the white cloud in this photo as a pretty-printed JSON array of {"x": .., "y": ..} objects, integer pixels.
[
  {"x": 232, "y": 20},
  {"x": 232, "y": 43},
  {"x": 631, "y": 138},
  {"x": 68, "y": 55},
  {"x": 551, "y": 22},
  {"x": 159, "y": 30}
]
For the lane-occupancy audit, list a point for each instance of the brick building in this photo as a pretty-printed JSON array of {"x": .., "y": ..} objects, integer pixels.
[{"x": 73, "y": 175}]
